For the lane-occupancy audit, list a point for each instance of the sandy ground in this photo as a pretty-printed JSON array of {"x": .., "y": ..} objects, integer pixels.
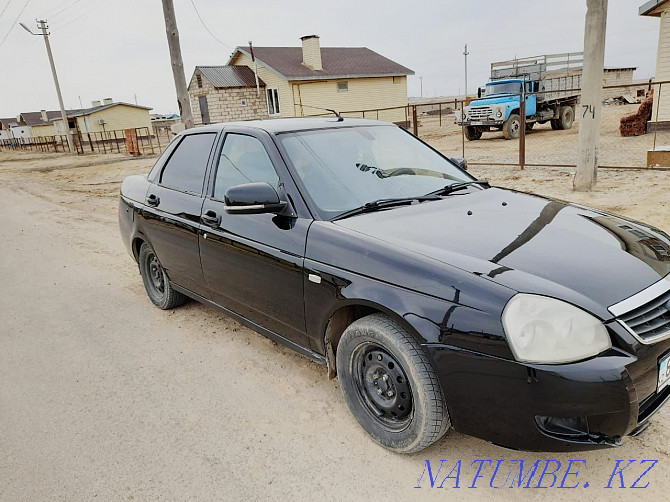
[
  {"x": 544, "y": 145},
  {"x": 103, "y": 396}
]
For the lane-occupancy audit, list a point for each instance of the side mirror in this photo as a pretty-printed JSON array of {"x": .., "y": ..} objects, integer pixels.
[
  {"x": 252, "y": 198},
  {"x": 479, "y": 92},
  {"x": 460, "y": 162}
]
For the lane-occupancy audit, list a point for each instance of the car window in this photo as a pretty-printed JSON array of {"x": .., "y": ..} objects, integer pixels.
[
  {"x": 186, "y": 168},
  {"x": 243, "y": 159}
]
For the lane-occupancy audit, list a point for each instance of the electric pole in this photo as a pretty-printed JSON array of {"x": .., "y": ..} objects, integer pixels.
[
  {"x": 466, "y": 53},
  {"x": 592, "y": 95},
  {"x": 42, "y": 25},
  {"x": 421, "y": 80},
  {"x": 177, "y": 64}
]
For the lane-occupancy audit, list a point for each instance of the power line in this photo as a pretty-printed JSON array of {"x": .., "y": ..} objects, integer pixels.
[
  {"x": 3, "y": 10},
  {"x": 208, "y": 30},
  {"x": 56, "y": 14},
  {"x": 14, "y": 23},
  {"x": 83, "y": 13}
]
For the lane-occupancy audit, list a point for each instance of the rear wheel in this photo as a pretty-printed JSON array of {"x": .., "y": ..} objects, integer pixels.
[
  {"x": 473, "y": 133},
  {"x": 567, "y": 117},
  {"x": 529, "y": 126},
  {"x": 390, "y": 385},
  {"x": 556, "y": 124},
  {"x": 156, "y": 282},
  {"x": 512, "y": 127}
]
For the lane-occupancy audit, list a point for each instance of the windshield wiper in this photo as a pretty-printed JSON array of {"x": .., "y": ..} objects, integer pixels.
[
  {"x": 378, "y": 204},
  {"x": 458, "y": 186}
]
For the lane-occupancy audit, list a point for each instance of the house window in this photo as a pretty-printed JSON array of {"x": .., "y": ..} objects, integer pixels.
[
  {"x": 343, "y": 86},
  {"x": 198, "y": 79},
  {"x": 273, "y": 101}
]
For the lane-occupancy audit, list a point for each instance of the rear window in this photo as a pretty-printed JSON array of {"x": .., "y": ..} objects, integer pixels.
[{"x": 186, "y": 168}]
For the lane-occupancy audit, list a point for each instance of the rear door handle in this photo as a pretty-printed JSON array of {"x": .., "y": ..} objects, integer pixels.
[
  {"x": 153, "y": 200},
  {"x": 211, "y": 219}
]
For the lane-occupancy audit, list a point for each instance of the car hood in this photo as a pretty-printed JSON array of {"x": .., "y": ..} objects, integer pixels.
[{"x": 529, "y": 243}]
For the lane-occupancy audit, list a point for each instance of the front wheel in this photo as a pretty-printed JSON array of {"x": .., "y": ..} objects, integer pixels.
[
  {"x": 512, "y": 127},
  {"x": 473, "y": 133},
  {"x": 156, "y": 282},
  {"x": 390, "y": 385}
]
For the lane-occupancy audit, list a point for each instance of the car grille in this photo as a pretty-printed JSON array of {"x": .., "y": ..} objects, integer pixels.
[
  {"x": 480, "y": 112},
  {"x": 651, "y": 320}
]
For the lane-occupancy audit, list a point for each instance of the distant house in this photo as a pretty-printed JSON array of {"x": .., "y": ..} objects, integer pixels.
[
  {"x": 106, "y": 116},
  {"x": 225, "y": 93},
  {"x": 660, "y": 9},
  {"x": 162, "y": 123},
  {"x": 307, "y": 80},
  {"x": 42, "y": 123}
]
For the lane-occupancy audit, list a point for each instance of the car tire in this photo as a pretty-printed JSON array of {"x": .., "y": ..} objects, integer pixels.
[
  {"x": 390, "y": 385},
  {"x": 512, "y": 127},
  {"x": 473, "y": 133},
  {"x": 156, "y": 282},
  {"x": 567, "y": 117}
]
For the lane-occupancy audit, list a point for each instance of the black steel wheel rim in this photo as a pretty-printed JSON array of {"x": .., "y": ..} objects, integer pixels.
[
  {"x": 382, "y": 387},
  {"x": 156, "y": 274}
]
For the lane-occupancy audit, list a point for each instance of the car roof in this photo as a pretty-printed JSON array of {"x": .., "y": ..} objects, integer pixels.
[{"x": 276, "y": 126}]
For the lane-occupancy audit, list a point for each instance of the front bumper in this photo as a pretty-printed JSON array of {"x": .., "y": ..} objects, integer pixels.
[
  {"x": 482, "y": 123},
  {"x": 578, "y": 406}
]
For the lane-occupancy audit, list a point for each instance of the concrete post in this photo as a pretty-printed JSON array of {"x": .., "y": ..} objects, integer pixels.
[{"x": 592, "y": 92}]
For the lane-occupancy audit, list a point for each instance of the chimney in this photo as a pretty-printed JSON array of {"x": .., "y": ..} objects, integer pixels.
[
  {"x": 44, "y": 115},
  {"x": 311, "y": 52},
  {"x": 107, "y": 101},
  {"x": 95, "y": 103}
]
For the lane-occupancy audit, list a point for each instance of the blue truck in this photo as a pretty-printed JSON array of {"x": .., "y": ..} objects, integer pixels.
[{"x": 548, "y": 84}]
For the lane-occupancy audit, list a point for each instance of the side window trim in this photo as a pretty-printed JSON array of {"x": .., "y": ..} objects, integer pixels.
[{"x": 159, "y": 175}]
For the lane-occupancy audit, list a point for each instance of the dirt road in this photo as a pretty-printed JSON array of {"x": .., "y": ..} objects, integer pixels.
[{"x": 103, "y": 396}]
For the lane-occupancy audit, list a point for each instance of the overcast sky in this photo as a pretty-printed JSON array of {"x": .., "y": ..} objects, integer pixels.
[{"x": 118, "y": 48}]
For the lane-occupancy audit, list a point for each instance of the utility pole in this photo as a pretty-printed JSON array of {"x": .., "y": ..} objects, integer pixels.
[
  {"x": 466, "y": 53},
  {"x": 42, "y": 25},
  {"x": 592, "y": 95},
  {"x": 253, "y": 59},
  {"x": 421, "y": 81},
  {"x": 177, "y": 64}
]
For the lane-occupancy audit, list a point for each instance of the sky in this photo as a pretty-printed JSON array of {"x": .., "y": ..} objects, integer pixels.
[{"x": 118, "y": 48}]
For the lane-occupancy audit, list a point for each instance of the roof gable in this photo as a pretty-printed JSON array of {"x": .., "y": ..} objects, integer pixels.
[
  {"x": 338, "y": 62},
  {"x": 651, "y": 8}
]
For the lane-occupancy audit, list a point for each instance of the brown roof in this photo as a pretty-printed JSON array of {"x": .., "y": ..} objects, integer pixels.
[
  {"x": 7, "y": 123},
  {"x": 337, "y": 62},
  {"x": 229, "y": 76},
  {"x": 35, "y": 118}
]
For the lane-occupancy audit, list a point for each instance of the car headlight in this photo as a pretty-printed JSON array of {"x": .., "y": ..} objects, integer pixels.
[{"x": 545, "y": 330}]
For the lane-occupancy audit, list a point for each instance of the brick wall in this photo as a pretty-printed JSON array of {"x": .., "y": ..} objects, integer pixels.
[{"x": 228, "y": 104}]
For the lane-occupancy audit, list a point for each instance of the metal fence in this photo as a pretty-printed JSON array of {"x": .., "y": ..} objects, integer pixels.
[
  {"x": 137, "y": 141},
  {"x": 542, "y": 145}
]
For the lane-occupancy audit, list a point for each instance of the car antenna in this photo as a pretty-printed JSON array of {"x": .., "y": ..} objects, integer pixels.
[{"x": 339, "y": 117}]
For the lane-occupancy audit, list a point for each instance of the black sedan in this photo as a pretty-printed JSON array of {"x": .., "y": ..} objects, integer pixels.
[{"x": 437, "y": 300}]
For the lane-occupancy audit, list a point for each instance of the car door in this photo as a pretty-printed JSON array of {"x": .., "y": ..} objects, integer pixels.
[
  {"x": 174, "y": 201},
  {"x": 253, "y": 263}
]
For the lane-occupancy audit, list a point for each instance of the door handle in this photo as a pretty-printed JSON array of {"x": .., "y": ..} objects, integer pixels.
[
  {"x": 211, "y": 219},
  {"x": 153, "y": 200}
]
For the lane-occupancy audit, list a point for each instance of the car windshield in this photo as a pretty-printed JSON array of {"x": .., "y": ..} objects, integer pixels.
[
  {"x": 503, "y": 88},
  {"x": 345, "y": 168}
]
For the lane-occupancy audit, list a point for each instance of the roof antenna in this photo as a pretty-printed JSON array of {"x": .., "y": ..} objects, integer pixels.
[{"x": 339, "y": 117}]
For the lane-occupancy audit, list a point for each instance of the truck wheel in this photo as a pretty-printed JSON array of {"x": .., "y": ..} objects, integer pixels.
[
  {"x": 512, "y": 127},
  {"x": 556, "y": 124},
  {"x": 473, "y": 133},
  {"x": 567, "y": 117},
  {"x": 390, "y": 385}
]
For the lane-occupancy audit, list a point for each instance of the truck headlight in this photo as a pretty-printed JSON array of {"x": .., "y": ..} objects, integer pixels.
[
  {"x": 545, "y": 330},
  {"x": 498, "y": 114}
]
